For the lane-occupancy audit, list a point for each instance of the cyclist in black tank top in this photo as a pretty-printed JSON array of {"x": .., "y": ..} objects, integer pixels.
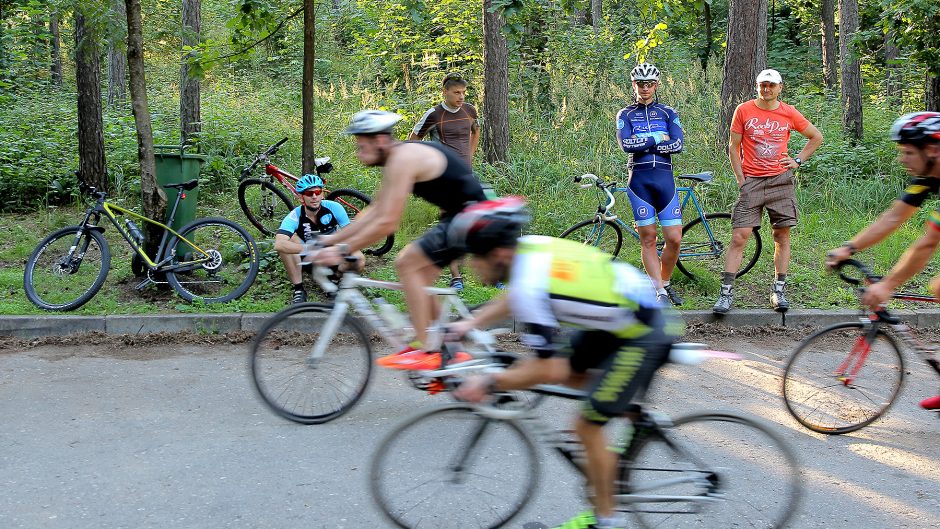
[{"x": 432, "y": 172}]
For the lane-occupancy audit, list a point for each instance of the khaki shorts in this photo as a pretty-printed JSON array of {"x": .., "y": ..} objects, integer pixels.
[{"x": 776, "y": 194}]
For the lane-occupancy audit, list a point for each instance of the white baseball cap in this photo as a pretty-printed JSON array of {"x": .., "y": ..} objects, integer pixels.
[{"x": 771, "y": 76}]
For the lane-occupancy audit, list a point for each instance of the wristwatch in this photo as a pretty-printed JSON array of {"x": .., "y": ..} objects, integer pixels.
[{"x": 798, "y": 161}]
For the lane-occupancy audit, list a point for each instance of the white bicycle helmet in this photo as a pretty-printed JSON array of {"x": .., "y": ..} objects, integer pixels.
[
  {"x": 489, "y": 224},
  {"x": 372, "y": 122},
  {"x": 644, "y": 72}
]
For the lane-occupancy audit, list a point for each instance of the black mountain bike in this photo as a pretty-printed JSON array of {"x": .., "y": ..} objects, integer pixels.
[{"x": 212, "y": 260}]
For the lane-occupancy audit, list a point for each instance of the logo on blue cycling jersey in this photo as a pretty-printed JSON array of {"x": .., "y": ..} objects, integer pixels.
[
  {"x": 619, "y": 124},
  {"x": 325, "y": 219}
]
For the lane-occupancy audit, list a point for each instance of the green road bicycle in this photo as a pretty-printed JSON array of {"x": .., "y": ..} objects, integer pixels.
[
  {"x": 705, "y": 236},
  {"x": 211, "y": 260}
]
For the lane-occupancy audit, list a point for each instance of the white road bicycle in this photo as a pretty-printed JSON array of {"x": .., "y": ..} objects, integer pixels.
[{"x": 311, "y": 362}]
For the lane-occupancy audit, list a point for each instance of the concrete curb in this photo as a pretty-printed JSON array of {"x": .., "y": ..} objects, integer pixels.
[{"x": 35, "y": 326}]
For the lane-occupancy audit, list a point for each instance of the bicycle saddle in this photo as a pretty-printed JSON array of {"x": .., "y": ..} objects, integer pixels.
[
  {"x": 699, "y": 177},
  {"x": 185, "y": 186}
]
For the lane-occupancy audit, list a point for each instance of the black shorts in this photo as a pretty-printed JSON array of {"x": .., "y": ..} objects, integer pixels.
[
  {"x": 627, "y": 367},
  {"x": 434, "y": 244}
]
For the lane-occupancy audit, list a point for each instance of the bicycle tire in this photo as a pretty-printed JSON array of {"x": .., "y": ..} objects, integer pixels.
[
  {"x": 700, "y": 252},
  {"x": 264, "y": 204},
  {"x": 749, "y": 475},
  {"x": 354, "y": 202},
  {"x": 47, "y": 282},
  {"x": 287, "y": 382},
  {"x": 498, "y": 473},
  {"x": 591, "y": 233},
  {"x": 818, "y": 400},
  {"x": 231, "y": 271}
]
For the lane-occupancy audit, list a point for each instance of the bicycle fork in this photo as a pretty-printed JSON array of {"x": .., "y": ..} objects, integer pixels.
[
  {"x": 856, "y": 359},
  {"x": 327, "y": 332}
]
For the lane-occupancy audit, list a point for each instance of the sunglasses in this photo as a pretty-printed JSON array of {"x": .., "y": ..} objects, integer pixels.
[
  {"x": 645, "y": 84},
  {"x": 312, "y": 192}
]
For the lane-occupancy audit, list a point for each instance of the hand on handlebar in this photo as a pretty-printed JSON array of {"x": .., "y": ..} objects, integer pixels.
[
  {"x": 474, "y": 389},
  {"x": 836, "y": 256},
  {"x": 876, "y": 295}
]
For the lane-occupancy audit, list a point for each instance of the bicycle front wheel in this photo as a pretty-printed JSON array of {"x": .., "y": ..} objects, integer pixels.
[
  {"x": 711, "y": 469},
  {"x": 354, "y": 202},
  {"x": 218, "y": 261},
  {"x": 605, "y": 236},
  {"x": 452, "y": 468},
  {"x": 817, "y": 391},
  {"x": 67, "y": 269},
  {"x": 264, "y": 204},
  {"x": 704, "y": 246},
  {"x": 306, "y": 372}
]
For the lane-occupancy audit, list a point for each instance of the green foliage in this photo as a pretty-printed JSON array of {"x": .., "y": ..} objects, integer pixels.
[{"x": 916, "y": 23}]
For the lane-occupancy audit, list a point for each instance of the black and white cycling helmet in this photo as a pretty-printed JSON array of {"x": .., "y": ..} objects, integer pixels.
[
  {"x": 644, "y": 72},
  {"x": 917, "y": 128},
  {"x": 489, "y": 224},
  {"x": 372, "y": 122}
]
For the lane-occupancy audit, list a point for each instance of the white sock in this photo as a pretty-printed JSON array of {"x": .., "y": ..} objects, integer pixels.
[{"x": 613, "y": 522}]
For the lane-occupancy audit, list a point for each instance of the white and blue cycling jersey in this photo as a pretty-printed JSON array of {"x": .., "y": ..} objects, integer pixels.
[
  {"x": 330, "y": 217},
  {"x": 641, "y": 132}
]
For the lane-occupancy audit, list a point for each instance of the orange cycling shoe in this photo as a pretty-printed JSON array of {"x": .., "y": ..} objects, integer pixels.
[
  {"x": 933, "y": 403},
  {"x": 417, "y": 360}
]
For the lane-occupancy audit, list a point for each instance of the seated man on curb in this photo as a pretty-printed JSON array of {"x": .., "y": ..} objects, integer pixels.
[
  {"x": 314, "y": 217},
  {"x": 625, "y": 336},
  {"x": 918, "y": 139}
]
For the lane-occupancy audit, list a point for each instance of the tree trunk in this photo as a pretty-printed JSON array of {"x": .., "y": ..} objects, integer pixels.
[
  {"x": 310, "y": 55},
  {"x": 496, "y": 87},
  {"x": 932, "y": 93},
  {"x": 117, "y": 60},
  {"x": 894, "y": 88},
  {"x": 92, "y": 167},
  {"x": 760, "y": 58},
  {"x": 741, "y": 59},
  {"x": 152, "y": 196},
  {"x": 190, "y": 104},
  {"x": 55, "y": 52},
  {"x": 707, "y": 48},
  {"x": 597, "y": 15},
  {"x": 851, "y": 70},
  {"x": 827, "y": 17}
]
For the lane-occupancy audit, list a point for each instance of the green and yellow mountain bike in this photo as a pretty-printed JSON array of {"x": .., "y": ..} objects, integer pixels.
[{"x": 212, "y": 260}]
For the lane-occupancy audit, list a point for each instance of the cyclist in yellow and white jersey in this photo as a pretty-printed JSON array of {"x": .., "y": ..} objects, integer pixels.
[{"x": 624, "y": 334}]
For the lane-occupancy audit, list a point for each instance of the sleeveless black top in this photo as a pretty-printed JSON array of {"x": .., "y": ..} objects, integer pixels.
[{"x": 455, "y": 188}]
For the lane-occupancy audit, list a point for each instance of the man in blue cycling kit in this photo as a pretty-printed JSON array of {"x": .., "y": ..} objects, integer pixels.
[
  {"x": 314, "y": 217},
  {"x": 650, "y": 133}
]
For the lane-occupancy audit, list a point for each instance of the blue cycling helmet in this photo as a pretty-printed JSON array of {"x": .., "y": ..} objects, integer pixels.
[{"x": 307, "y": 181}]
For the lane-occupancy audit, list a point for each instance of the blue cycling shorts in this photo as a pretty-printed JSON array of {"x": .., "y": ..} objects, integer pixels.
[{"x": 652, "y": 194}]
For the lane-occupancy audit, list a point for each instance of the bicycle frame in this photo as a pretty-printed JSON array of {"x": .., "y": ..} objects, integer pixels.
[
  {"x": 349, "y": 298},
  {"x": 849, "y": 368},
  {"x": 647, "y": 424},
  {"x": 111, "y": 211}
]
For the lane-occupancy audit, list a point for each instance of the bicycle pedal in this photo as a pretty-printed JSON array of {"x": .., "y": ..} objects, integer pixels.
[{"x": 144, "y": 284}]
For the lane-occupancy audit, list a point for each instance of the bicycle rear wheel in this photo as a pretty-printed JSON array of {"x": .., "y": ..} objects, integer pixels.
[
  {"x": 605, "y": 236},
  {"x": 303, "y": 389},
  {"x": 226, "y": 270},
  {"x": 354, "y": 202},
  {"x": 820, "y": 401},
  {"x": 264, "y": 204},
  {"x": 701, "y": 252},
  {"x": 63, "y": 272},
  {"x": 451, "y": 468},
  {"x": 711, "y": 469}
]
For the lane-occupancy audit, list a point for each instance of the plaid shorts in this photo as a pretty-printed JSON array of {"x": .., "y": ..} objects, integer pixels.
[{"x": 777, "y": 194}]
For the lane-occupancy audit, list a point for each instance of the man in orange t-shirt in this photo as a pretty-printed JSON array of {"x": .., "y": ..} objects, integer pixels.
[{"x": 760, "y": 131}]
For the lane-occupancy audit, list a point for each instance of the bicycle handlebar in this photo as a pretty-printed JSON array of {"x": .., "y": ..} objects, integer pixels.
[
  {"x": 595, "y": 181},
  {"x": 263, "y": 156},
  {"x": 869, "y": 278}
]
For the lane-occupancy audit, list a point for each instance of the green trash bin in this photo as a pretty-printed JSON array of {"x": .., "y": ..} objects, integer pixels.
[{"x": 174, "y": 166}]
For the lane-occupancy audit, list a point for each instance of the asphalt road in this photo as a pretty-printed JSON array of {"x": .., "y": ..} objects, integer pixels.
[{"x": 114, "y": 436}]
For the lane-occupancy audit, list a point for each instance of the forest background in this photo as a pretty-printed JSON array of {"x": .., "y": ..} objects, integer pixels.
[{"x": 91, "y": 86}]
